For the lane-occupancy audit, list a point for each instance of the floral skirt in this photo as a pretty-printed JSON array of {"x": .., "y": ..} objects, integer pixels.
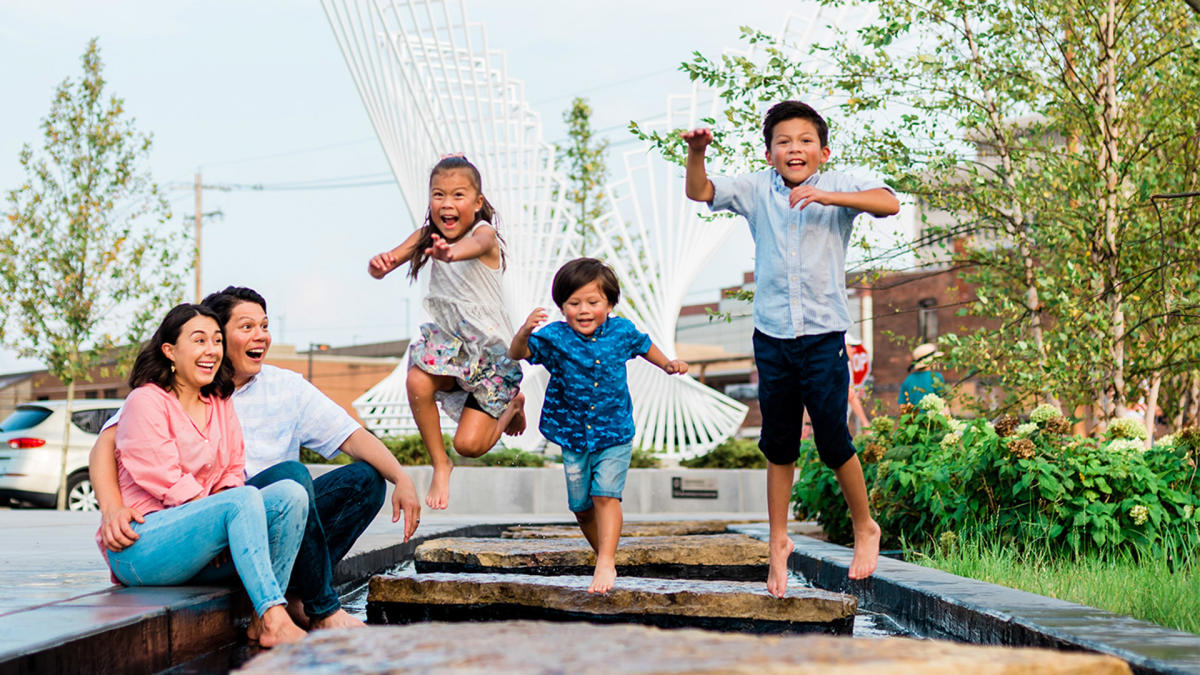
[{"x": 478, "y": 363}]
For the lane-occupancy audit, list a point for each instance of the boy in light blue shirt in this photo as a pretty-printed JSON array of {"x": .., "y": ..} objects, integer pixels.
[{"x": 800, "y": 219}]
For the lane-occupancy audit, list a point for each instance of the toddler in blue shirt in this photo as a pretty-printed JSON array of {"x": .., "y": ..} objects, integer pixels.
[
  {"x": 800, "y": 218},
  {"x": 588, "y": 411}
]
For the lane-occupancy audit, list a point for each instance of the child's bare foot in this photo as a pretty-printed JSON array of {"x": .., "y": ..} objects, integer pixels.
[
  {"x": 777, "y": 574},
  {"x": 603, "y": 578},
  {"x": 513, "y": 417},
  {"x": 295, "y": 609},
  {"x": 866, "y": 550},
  {"x": 438, "y": 496},
  {"x": 278, "y": 629},
  {"x": 339, "y": 619}
]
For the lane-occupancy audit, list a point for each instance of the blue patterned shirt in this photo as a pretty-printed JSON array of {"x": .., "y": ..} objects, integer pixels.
[
  {"x": 587, "y": 404},
  {"x": 799, "y": 254}
]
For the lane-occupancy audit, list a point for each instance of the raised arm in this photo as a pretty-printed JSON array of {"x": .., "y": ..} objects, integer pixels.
[
  {"x": 697, "y": 186},
  {"x": 670, "y": 366},
  {"x": 878, "y": 202},
  {"x": 115, "y": 517},
  {"x": 363, "y": 445},
  {"x": 380, "y": 265},
  {"x": 482, "y": 243},
  {"x": 519, "y": 349}
]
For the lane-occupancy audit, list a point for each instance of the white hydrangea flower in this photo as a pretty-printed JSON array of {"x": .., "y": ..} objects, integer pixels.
[
  {"x": 933, "y": 403},
  {"x": 1167, "y": 441},
  {"x": 1188, "y": 511},
  {"x": 1026, "y": 430},
  {"x": 950, "y": 440},
  {"x": 1127, "y": 445},
  {"x": 1140, "y": 514},
  {"x": 957, "y": 426},
  {"x": 1127, "y": 427},
  {"x": 1044, "y": 412}
]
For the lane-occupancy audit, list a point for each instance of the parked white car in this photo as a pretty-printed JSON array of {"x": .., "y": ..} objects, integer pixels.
[{"x": 31, "y": 451}]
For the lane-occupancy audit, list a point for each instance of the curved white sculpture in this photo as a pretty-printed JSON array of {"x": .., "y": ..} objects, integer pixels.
[{"x": 431, "y": 85}]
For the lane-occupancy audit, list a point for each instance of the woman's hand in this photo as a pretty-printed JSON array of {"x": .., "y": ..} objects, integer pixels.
[{"x": 115, "y": 530}]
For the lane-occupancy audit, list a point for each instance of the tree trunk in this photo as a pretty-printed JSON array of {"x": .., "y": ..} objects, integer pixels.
[
  {"x": 1191, "y": 419},
  {"x": 1152, "y": 407},
  {"x": 1109, "y": 159},
  {"x": 66, "y": 443}
]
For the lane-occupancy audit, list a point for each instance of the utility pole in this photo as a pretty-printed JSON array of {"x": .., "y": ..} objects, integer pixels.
[{"x": 199, "y": 217}]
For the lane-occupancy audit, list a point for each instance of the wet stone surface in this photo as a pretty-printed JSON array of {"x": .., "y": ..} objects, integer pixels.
[
  {"x": 672, "y": 528},
  {"x": 715, "y": 556},
  {"x": 540, "y": 647},
  {"x": 719, "y": 605}
]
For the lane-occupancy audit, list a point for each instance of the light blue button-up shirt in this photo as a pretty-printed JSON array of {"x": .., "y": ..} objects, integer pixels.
[{"x": 799, "y": 254}]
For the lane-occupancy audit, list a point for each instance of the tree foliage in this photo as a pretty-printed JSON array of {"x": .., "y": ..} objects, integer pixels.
[
  {"x": 1034, "y": 135},
  {"x": 87, "y": 258},
  {"x": 583, "y": 157}
]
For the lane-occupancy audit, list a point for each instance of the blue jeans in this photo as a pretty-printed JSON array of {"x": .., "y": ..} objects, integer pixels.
[
  {"x": 341, "y": 504},
  {"x": 262, "y": 530}
]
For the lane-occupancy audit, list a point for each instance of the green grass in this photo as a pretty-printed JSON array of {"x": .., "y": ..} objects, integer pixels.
[{"x": 1154, "y": 587}]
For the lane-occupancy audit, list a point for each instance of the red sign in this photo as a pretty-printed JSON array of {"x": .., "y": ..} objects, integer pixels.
[{"x": 860, "y": 364}]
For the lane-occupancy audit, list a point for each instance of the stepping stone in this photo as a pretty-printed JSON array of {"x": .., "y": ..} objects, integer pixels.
[
  {"x": 581, "y": 649},
  {"x": 649, "y": 529},
  {"x": 714, "y": 556},
  {"x": 669, "y": 603}
]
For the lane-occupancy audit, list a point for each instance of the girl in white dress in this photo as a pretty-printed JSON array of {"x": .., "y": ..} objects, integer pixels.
[{"x": 461, "y": 357}]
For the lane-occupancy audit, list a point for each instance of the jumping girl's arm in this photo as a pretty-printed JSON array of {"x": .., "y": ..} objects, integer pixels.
[
  {"x": 482, "y": 243},
  {"x": 519, "y": 349},
  {"x": 385, "y": 262},
  {"x": 670, "y": 366}
]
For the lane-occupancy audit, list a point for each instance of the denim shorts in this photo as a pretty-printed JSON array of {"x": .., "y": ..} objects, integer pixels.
[
  {"x": 595, "y": 474},
  {"x": 805, "y": 373}
]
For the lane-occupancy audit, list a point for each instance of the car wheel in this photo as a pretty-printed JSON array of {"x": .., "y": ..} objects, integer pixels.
[{"x": 80, "y": 495}]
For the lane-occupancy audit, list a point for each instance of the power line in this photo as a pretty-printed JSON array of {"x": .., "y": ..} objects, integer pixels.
[{"x": 290, "y": 153}]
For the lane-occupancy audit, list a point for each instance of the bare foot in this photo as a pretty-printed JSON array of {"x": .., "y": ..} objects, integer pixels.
[
  {"x": 278, "y": 628},
  {"x": 513, "y": 417},
  {"x": 295, "y": 609},
  {"x": 777, "y": 575},
  {"x": 603, "y": 578},
  {"x": 339, "y": 619},
  {"x": 438, "y": 496},
  {"x": 866, "y": 550}
]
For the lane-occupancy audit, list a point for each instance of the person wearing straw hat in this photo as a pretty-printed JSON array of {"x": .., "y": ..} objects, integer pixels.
[{"x": 922, "y": 380}]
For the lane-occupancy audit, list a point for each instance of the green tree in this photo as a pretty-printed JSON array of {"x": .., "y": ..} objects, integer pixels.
[
  {"x": 583, "y": 158},
  {"x": 87, "y": 261},
  {"x": 1034, "y": 134}
]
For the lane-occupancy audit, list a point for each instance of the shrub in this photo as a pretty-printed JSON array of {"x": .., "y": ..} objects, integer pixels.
[
  {"x": 411, "y": 451},
  {"x": 510, "y": 457},
  {"x": 734, "y": 453},
  {"x": 644, "y": 459},
  {"x": 1074, "y": 494},
  {"x": 313, "y": 457}
]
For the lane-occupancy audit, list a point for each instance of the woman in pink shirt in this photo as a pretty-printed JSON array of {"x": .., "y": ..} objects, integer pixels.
[{"x": 180, "y": 461}]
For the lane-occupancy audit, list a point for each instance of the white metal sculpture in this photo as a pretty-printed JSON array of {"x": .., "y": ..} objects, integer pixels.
[{"x": 431, "y": 85}]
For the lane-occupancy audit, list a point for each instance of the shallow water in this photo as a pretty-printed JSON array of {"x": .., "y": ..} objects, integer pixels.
[{"x": 867, "y": 624}]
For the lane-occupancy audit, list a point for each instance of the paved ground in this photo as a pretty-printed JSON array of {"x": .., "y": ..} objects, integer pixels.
[{"x": 48, "y": 556}]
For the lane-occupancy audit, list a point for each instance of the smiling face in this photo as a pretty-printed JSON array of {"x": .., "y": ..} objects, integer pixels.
[
  {"x": 453, "y": 201},
  {"x": 249, "y": 340},
  {"x": 796, "y": 151},
  {"x": 196, "y": 353},
  {"x": 587, "y": 308}
]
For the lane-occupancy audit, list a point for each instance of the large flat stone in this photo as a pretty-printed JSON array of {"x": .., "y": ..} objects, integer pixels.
[
  {"x": 726, "y": 605},
  {"x": 675, "y": 528},
  {"x": 537, "y": 647},
  {"x": 714, "y": 556}
]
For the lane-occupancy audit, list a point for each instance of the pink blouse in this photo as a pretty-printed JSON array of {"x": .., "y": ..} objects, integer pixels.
[{"x": 164, "y": 459}]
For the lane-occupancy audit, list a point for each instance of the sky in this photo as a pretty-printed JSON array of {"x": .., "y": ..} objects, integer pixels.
[{"x": 258, "y": 93}]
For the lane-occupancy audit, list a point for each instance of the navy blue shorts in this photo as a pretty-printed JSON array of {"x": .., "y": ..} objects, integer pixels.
[{"x": 809, "y": 372}]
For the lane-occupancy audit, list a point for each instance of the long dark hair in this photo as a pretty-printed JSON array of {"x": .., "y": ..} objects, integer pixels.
[
  {"x": 486, "y": 212},
  {"x": 154, "y": 367}
]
